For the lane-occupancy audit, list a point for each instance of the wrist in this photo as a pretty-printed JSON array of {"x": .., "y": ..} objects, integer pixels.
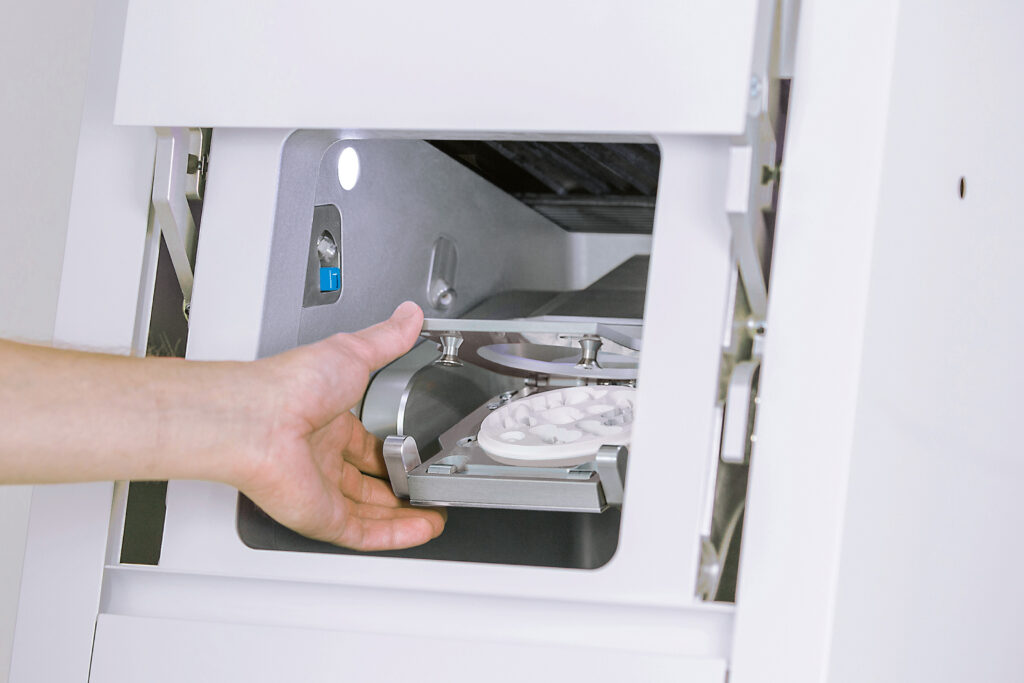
[
  {"x": 253, "y": 406},
  {"x": 224, "y": 422}
]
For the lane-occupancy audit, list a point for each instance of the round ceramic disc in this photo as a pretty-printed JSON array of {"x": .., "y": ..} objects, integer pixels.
[
  {"x": 558, "y": 428},
  {"x": 559, "y": 361}
]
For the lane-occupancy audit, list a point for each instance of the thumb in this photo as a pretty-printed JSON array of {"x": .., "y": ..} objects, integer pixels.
[{"x": 386, "y": 341}]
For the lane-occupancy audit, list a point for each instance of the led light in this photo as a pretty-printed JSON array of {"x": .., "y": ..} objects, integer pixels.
[{"x": 348, "y": 168}]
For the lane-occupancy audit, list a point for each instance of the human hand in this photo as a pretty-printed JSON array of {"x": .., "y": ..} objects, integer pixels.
[{"x": 315, "y": 466}]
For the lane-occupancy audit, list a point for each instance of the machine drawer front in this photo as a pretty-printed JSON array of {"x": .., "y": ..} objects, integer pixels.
[{"x": 130, "y": 649}]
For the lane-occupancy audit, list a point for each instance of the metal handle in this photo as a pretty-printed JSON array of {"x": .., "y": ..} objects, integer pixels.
[
  {"x": 401, "y": 456},
  {"x": 611, "y": 468}
]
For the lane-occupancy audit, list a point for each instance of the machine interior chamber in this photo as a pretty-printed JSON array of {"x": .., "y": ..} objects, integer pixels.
[{"x": 499, "y": 229}]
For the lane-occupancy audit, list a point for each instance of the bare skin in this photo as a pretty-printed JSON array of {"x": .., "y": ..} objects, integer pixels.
[{"x": 278, "y": 429}]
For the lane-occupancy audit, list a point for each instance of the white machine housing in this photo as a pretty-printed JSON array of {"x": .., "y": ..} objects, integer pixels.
[{"x": 878, "y": 533}]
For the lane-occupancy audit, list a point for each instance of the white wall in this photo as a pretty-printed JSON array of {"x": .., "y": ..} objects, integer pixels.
[{"x": 44, "y": 50}]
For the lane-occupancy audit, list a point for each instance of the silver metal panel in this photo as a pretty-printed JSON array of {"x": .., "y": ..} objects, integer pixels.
[
  {"x": 506, "y": 492},
  {"x": 407, "y": 196},
  {"x": 325, "y": 228}
]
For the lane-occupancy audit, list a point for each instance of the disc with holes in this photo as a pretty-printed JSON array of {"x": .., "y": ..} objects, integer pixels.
[{"x": 559, "y": 428}]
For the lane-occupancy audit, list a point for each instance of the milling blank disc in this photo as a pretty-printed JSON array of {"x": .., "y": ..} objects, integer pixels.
[
  {"x": 559, "y": 428},
  {"x": 559, "y": 361}
]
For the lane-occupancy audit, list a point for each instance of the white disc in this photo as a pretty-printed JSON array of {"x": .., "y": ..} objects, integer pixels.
[
  {"x": 559, "y": 361},
  {"x": 558, "y": 428}
]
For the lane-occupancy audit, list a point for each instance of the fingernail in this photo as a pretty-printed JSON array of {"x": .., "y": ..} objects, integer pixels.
[{"x": 406, "y": 309}]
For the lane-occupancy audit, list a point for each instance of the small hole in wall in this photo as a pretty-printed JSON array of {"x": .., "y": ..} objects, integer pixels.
[{"x": 963, "y": 187}]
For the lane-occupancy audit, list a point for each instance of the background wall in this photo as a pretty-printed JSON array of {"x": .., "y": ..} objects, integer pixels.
[{"x": 44, "y": 50}]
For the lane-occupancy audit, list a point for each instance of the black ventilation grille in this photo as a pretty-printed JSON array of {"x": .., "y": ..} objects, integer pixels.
[{"x": 581, "y": 186}]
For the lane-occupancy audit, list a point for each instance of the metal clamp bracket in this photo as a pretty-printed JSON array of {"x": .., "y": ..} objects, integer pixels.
[
  {"x": 611, "y": 467},
  {"x": 739, "y": 412},
  {"x": 179, "y": 175},
  {"x": 466, "y": 477},
  {"x": 746, "y": 197},
  {"x": 401, "y": 456}
]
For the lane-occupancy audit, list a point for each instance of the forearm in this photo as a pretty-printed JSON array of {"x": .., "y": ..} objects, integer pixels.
[
  {"x": 73, "y": 416},
  {"x": 278, "y": 429}
]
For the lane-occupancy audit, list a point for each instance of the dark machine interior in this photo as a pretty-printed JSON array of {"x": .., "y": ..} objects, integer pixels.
[{"x": 580, "y": 186}]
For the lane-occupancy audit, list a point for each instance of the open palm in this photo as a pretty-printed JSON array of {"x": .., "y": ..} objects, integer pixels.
[{"x": 317, "y": 469}]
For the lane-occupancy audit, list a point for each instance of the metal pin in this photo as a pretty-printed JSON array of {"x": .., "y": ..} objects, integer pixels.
[
  {"x": 450, "y": 343},
  {"x": 590, "y": 345}
]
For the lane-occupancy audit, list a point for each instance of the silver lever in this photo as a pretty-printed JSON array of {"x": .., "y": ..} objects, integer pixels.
[
  {"x": 611, "y": 468},
  {"x": 401, "y": 456}
]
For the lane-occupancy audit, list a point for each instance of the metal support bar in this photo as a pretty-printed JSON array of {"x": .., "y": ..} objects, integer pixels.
[
  {"x": 611, "y": 468},
  {"x": 746, "y": 197},
  {"x": 170, "y": 182},
  {"x": 197, "y": 162},
  {"x": 401, "y": 456}
]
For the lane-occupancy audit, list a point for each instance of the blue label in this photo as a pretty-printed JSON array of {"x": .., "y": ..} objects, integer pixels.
[{"x": 330, "y": 279}]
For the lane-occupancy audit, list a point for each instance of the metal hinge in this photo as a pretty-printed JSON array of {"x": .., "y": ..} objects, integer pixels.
[
  {"x": 197, "y": 162},
  {"x": 750, "y": 189},
  {"x": 747, "y": 196},
  {"x": 179, "y": 175}
]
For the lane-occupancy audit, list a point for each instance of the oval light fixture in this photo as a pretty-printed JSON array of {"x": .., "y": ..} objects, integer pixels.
[{"x": 348, "y": 168}]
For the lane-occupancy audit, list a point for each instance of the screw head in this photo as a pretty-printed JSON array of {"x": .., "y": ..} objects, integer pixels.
[
  {"x": 326, "y": 249},
  {"x": 441, "y": 294},
  {"x": 446, "y": 298},
  {"x": 755, "y": 86}
]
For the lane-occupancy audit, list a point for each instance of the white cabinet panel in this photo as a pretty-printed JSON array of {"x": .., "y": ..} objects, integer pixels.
[
  {"x": 456, "y": 65},
  {"x": 130, "y": 649}
]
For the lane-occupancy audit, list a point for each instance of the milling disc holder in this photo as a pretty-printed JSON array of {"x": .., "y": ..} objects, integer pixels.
[{"x": 538, "y": 347}]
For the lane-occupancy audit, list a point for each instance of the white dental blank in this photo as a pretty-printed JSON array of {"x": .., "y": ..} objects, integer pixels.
[{"x": 561, "y": 427}]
